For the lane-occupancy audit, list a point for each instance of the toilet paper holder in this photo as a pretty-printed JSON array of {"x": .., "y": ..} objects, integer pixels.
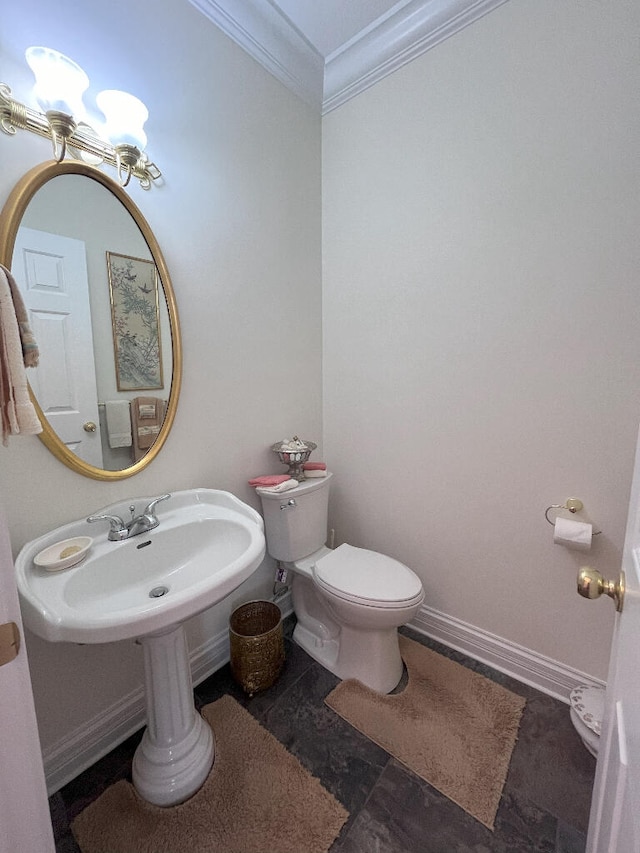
[{"x": 573, "y": 505}]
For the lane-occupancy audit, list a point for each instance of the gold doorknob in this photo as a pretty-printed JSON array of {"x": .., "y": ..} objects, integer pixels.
[
  {"x": 592, "y": 585},
  {"x": 89, "y": 426}
]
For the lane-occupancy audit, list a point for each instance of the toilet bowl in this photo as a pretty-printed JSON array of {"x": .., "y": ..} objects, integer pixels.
[
  {"x": 349, "y": 602},
  {"x": 586, "y": 712}
]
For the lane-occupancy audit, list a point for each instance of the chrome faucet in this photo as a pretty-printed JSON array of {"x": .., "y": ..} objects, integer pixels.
[
  {"x": 142, "y": 523},
  {"x": 147, "y": 520}
]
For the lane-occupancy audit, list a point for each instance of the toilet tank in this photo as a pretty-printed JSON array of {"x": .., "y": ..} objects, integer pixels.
[{"x": 295, "y": 530}]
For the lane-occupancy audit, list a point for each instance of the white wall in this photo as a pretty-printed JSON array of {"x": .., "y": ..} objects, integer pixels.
[
  {"x": 238, "y": 220},
  {"x": 481, "y": 303}
]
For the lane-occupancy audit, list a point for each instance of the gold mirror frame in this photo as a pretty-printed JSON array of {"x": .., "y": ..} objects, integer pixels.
[{"x": 10, "y": 219}]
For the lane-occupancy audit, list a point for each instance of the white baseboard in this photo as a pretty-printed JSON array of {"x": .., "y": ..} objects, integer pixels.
[
  {"x": 74, "y": 753},
  {"x": 545, "y": 674}
]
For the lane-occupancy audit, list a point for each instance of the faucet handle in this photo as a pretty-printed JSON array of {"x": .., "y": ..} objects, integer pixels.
[
  {"x": 117, "y": 527},
  {"x": 150, "y": 510}
]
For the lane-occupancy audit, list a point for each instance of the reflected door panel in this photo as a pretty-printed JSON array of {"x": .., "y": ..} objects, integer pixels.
[{"x": 52, "y": 274}]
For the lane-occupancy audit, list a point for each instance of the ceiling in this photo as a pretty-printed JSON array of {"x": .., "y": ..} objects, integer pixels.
[
  {"x": 328, "y": 51},
  {"x": 328, "y": 24}
]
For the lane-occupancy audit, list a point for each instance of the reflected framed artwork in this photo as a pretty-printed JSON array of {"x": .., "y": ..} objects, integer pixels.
[{"x": 133, "y": 290}]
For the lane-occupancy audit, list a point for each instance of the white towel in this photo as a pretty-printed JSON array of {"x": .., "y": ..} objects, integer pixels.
[
  {"x": 309, "y": 475},
  {"x": 118, "y": 423},
  {"x": 17, "y": 412},
  {"x": 281, "y": 487}
]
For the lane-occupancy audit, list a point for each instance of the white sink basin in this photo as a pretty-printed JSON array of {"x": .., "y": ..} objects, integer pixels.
[{"x": 207, "y": 543}]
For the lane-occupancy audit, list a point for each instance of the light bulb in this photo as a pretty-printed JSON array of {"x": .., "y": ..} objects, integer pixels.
[
  {"x": 125, "y": 117},
  {"x": 60, "y": 82}
]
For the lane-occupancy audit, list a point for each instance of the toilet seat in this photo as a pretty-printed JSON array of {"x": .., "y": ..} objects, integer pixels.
[{"x": 367, "y": 578}]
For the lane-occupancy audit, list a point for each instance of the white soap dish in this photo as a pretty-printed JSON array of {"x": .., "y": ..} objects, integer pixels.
[{"x": 64, "y": 554}]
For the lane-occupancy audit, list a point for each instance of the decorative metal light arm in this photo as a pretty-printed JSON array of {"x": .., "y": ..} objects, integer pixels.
[{"x": 15, "y": 115}]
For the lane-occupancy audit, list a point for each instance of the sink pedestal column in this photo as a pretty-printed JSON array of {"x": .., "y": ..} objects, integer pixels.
[{"x": 177, "y": 749}]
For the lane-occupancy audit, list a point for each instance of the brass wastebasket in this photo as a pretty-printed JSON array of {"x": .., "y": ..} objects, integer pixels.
[{"x": 257, "y": 645}]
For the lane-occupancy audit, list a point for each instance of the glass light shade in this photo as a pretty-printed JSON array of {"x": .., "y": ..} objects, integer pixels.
[
  {"x": 85, "y": 156},
  {"x": 60, "y": 82},
  {"x": 125, "y": 117}
]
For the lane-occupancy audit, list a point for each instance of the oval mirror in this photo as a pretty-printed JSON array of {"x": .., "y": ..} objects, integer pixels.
[{"x": 103, "y": 312}]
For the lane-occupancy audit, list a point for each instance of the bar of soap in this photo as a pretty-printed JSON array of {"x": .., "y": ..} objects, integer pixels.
[{"x": 69, "y": 550}]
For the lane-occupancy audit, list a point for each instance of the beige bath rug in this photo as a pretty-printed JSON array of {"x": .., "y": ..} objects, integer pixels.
[
  {"x": 452, "y": 727},
  {"x": 258, "y": 798}
]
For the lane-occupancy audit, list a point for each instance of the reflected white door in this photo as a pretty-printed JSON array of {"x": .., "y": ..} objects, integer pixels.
[
  {"x": 25, "y": 824},
  {"x": 614, "y": 826},
  {"x": 52, "y": 274}
]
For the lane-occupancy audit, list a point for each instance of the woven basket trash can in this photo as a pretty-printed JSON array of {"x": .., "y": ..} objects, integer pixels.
[{"x": 257, "y": 645}]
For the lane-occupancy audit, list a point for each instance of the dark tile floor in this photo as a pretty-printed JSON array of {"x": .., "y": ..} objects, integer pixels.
[{"x": 544, "y": 807}]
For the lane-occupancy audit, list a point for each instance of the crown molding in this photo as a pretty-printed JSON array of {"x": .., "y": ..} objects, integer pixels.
[
  {"x": 394, "y": 41},
  {"x": 380, "y": 49}
]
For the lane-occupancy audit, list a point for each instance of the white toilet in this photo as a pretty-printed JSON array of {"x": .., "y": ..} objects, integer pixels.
[
  {"x": 348, "y": 602},
  {"x": 587, "y": 711}
]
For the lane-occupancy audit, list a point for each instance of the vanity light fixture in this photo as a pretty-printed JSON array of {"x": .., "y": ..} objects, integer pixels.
[{"x": 60, "y": 85}]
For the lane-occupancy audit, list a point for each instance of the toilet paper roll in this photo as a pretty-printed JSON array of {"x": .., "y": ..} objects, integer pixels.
[{"x": 572, "y": 534}]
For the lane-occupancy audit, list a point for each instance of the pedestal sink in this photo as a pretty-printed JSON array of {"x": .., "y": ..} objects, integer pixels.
[{"x": 208, "y": 542}]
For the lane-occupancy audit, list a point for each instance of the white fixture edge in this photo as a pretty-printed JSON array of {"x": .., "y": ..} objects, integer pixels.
[
  {"x": 380, "y": 49},
  {"x": 525, "y": 665},
  {"x": 74, "y": 753}
]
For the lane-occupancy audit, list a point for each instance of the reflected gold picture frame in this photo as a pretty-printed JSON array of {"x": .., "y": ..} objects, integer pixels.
[{"x": 135, "y": 322}]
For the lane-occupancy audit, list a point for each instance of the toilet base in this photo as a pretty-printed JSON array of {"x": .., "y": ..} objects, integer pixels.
[
  {"x": 371, "y": 657},
  {"x": 324, "y": 652}
]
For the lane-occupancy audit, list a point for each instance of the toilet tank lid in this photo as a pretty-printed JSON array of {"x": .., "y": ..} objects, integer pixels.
[
  {"x": 305, "y": 487},
  {"x": 367, "y": 575}
]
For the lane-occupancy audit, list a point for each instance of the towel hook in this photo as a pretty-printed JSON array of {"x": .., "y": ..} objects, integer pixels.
[{"x": 573, "y": 505}]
